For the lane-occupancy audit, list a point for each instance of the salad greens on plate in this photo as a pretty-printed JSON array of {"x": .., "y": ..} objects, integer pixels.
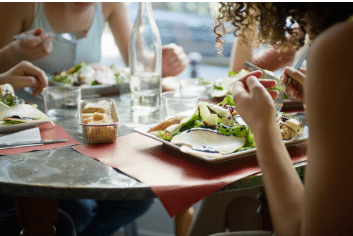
[
  {"x": 213, "y": 130},
  {"x": 90, "y": 75},
  {"x": 220, "y": 118}
]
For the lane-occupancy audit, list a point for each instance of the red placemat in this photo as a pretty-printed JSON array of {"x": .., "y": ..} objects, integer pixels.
[
  {"x": 47, "y": 131},
  {"x": 178, "y": 180}
]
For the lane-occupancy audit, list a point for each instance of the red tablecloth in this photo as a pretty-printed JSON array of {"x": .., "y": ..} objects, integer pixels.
[
  {"x": 47, "y": 131},
  {"x": 178, "y": 180}
]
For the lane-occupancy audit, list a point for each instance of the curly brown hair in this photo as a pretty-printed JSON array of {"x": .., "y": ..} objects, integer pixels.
[{"x": 276, "y": 19}]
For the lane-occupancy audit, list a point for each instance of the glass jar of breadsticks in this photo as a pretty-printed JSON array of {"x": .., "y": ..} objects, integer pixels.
[{"x": 99, "y": 120}]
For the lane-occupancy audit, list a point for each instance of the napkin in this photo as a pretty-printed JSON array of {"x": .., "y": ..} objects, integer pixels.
[
  {"x": 47, "y": 131},
  {"x": 32, "y": 134},
  {"x": 178, "y": 179}
]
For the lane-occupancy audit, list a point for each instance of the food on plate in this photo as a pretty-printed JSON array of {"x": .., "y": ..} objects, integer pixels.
[
  {"x": 164, "y": 124},
  {"x": 14, "y": 110},
  {"x": 290, "y": 127},
  {"x": 22, "y": 113},
  {"x": 8, "y": 97},
  {"x": 84, "y": 75},
  {"x": 208, "y": 140},
  {"x": 215, "y": 130},
  {"x": 6, "y": 89},
  {"x": 99, "y": 125},
  {"x": 224, "y": 86}
]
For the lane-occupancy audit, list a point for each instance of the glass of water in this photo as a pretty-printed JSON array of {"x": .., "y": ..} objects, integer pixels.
[
  {"x": 145, "y": 92},
  {"x": 61, "y": 101},
  {"x": 175, "y": 102},
  {"x": 204, "y": 90}
]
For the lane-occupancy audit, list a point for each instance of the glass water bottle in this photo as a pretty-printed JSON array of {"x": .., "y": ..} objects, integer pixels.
[{"x": 145, "y": 61}]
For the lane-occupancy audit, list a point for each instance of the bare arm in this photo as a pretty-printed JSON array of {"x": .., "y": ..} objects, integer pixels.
[
  {"x": 240, "y": 54},
  {"x": 283, "y": 186},
  {"x": 12, "y": 21},
  {"x": 329, "y": 187},
  {"x": 16, "y": 18},
  {"x": 120, "y": 26},
  {"x": 324, "y": 208},
  {"x": 269, "y": 59},
  {"x": 242, "y": 49}
]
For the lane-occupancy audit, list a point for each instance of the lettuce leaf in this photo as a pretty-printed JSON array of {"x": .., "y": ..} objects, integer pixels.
[
  {"x": 192, "y": 123},
  {"x": 239, "y": 131},
  {"x": 227, "y": 99}
]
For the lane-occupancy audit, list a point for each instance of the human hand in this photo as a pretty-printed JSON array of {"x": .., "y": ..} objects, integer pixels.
[
  {"x": 35, "y": 47},
  {"x": 253, "y": 102},
  {"x": 267, "y": 83},
  {"x": 174, "y": 60},
  {"x": 25, "y": 74},
  {"x": 295, "y": 89}
]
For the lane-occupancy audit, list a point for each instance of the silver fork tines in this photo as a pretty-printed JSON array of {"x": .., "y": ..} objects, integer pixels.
[{"x": 279, "y": 100}]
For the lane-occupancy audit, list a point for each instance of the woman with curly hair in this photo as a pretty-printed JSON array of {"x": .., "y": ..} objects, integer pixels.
[{"x": 323, "y": 204}]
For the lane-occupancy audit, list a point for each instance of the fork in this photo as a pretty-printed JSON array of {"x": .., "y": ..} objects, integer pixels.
[
  {"x": 280, "y": 98},
  {"x": 68, "y": 36}
]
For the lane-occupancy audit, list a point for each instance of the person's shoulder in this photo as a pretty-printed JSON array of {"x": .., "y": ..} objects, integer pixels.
[
  {"x": 332, "y": 50},
  {"x": 335, "y": 41},
  {"x": 20, "y": 7},
  {"x": 17, "y": 11}
]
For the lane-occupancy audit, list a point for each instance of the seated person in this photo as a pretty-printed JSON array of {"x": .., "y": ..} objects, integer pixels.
[
  {"x": 322, "y": 205},
  {"x": 91, "y": 217},
  {"x": 27, "y": 75},
  {"x": 237, "y": 210},
  {"x": 52, "y": 53}
]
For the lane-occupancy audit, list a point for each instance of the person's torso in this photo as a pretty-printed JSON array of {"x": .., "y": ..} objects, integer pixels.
[{"x": 66, "y": 54}]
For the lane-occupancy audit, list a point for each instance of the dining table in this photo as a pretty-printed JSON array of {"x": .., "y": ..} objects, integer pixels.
[{"x": 38, "y": 179}]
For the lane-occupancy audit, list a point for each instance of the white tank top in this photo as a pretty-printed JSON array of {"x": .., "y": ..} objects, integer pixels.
[{"x": 65, "y": 54}]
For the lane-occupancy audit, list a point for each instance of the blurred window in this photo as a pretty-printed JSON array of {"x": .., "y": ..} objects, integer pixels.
[{"x": 190, "y": 25}]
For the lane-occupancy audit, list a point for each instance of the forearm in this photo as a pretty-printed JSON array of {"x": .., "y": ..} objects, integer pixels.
[
  {"x": 284, "y": 189},
  {"x": 241, "y": 52},
  {"x": 272, "y": 60},
  {"x": 9, "y": 57},
  {"x": 120, "y": 27}
]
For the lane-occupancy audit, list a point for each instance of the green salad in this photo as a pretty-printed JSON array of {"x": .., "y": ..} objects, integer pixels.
[
  {"x": 220, "y": 118},
  {"x": 89, "y": 75}
]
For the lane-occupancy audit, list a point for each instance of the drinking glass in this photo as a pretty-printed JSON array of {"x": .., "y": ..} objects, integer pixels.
[
  {"x": 175, "y": 102},
  {"x": 204, "y": 90},
  {"x": 61, "y": 101}
]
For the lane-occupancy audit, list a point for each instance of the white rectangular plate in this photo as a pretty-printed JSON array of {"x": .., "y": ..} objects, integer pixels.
[
  {"x": 300, "y": 138},
  {"x": 87, "y": 91},
  {"x": 95, "y": 90}
]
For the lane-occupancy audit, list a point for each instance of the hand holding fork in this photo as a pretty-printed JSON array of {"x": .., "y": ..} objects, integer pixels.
[{"x": 279, "y": 100}]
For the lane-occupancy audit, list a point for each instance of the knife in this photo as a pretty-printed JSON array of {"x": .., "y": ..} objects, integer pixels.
[
  {"x": 266, "y": 74},
  {"x": 30, "y": 143}
]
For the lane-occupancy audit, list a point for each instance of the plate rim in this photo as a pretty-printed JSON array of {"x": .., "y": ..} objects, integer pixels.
[
  {"x": 19, "y": 127},
  {"x": 231, "y": 156}
]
